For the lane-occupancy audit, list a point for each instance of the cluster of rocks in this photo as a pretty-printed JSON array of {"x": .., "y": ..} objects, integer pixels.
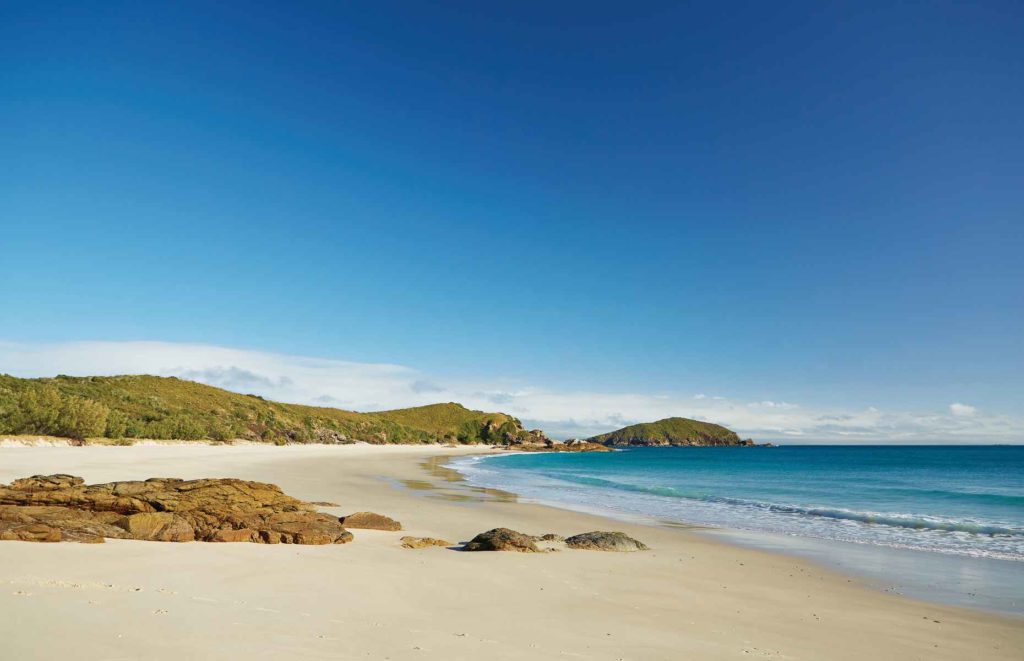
[
  {"x": 504, "y": 539},
  {"x": 54, "y": 508},
  {"x": 537, "y": 441}
]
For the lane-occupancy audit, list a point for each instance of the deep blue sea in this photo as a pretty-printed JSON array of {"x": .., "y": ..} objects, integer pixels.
[{"x": 959, "y": 501}]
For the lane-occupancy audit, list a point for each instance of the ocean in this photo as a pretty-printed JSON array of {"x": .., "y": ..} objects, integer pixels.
[{"x": 906, "y": 516}]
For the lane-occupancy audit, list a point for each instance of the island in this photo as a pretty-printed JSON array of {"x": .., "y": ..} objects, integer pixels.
[{"x": 682, "y": 432}]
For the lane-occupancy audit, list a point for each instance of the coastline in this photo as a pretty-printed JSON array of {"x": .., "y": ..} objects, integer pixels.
[
  {"x": 691, "y": 596},
  {"x": 986, "y": 584}
]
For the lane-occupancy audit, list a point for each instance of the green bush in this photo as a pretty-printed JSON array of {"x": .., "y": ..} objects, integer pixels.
[
  {"x": 117, "y": 425},
  {"x": 45, "y": 411}
]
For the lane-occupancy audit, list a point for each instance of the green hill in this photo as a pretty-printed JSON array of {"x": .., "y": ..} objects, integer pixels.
[
  {"x": 671, "y": 431},
  {"x": 170, "y": 408}
]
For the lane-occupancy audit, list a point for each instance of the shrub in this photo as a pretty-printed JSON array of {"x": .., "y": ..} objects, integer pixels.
[
  {"x": 117, "y": 425},
  {"x": 45, "y": 411}
]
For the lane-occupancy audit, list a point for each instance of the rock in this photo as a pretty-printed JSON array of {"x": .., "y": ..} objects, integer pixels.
[
  {"x": 604, "y": 541},
  {"x": 370, "y": 521},
  {"x": 323, "y": 503},
  {"x": 30, "y": 532},
  {"x": 157, "y": 527},
  {"x": 584, "y": 446},
  {"x": 551, "y": 537},
  {"x": 502, "y": 539},
  {"x": 47, "y": 482},
  {"x": 73, "y": 525},
  {"x": 235, "y": 535},
  {"x": 547, "y": 445},
  {"x": 64, "y": 508},
  {"x": 423, "y": 542}
]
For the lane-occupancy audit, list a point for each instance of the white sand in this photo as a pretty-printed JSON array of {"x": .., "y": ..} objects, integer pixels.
[{"x": 689, "y": 598}]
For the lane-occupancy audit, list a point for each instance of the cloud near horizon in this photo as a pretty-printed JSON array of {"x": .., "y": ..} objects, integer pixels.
[{"x": 371, "y": 386}]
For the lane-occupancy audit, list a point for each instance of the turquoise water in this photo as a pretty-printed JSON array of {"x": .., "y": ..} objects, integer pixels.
[
  {"x": 928, "y": 502},
  {"x": 958, "y": 500}
]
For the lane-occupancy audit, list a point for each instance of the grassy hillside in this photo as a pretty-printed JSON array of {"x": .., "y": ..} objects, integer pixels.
[
  {"x": 670, "y": 431},
  {"x": 455, "y": 421},
  {"x": 169, "y": 408}
]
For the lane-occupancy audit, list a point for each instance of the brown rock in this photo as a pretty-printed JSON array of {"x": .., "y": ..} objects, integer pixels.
[
  {"x": 370, "y": 521},
  {"x": 604, "y": 541},
  {"x": 235, "y": 535},
  {"x": 157, "y": 527},
  {"x": 63, "y": 508},
  {"x": 502, "y": 539},
  {"x": 30, "y": 532},
  {"x": 423, "y": 542}
]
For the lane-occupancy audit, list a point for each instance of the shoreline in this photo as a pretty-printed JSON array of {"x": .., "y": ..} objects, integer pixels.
[
  {"x": 892, "y": 570},
  {"x": 691, "y": 596}
]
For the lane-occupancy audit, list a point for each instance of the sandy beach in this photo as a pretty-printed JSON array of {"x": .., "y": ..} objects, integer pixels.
[{"x": 689, "y": 597}]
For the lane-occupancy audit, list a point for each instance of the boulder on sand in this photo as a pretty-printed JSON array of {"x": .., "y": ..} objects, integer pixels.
[
  {"x": 604, "y": 541},
  {"x": 409, "y": 542},
  {"x": 502, "y": 539},
  {"x": 370, "y": 521}
]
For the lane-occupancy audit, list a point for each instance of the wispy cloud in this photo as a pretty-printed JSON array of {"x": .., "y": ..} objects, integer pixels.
[
  {"x": 368, "y": 386},
  {"x": 962, "y": 410}
]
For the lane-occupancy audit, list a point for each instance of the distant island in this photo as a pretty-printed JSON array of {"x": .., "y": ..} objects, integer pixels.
[
  {"x": 124, "y": 408},
  {"x": 672, "y": 432}
]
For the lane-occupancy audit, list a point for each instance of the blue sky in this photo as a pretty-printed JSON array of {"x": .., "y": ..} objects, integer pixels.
[{"x": 818, "y": 204}]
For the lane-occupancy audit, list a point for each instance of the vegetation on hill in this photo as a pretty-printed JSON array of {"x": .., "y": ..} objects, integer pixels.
[
  {"x": 671, "y": 431},
  {"x": 170, "y": 408}
]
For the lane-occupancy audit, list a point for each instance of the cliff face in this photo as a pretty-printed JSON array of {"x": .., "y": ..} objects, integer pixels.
[{"x": 672, "y": 432}]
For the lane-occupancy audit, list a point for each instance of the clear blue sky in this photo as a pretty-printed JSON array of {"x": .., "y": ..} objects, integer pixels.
[{"x": 819, "y": 202}]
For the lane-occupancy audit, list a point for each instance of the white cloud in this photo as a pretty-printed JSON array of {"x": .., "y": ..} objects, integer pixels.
[
  {"x": 368, "y": 386},
  {"x": 962, "y": 410}
]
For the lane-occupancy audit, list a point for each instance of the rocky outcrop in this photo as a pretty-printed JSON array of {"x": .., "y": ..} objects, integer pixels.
[
  {"x": 604, "y": 541},
  {"x": 502, "y": 539},
  {"x": 536, "y": 441},
  {"x": 423, "y": 542},
  {"x": 370, "y": 521},
  {"x": 54, "y": 508},
  {"x": 578, "y": 445}
]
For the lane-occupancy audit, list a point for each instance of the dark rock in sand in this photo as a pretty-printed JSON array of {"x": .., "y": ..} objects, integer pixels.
[
  {"x": 551, "y": 537},
  {"x": 370, "y": 521},
  {"x": 604, "y": 541},
  {"x": 502, "y": 539},
  {"x": 53, "y": 508}
]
